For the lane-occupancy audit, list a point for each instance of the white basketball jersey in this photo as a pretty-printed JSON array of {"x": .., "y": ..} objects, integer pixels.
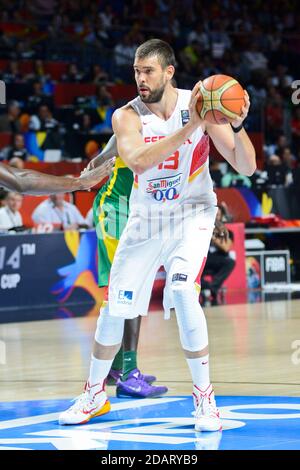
[{"x": 184, "y": 177}]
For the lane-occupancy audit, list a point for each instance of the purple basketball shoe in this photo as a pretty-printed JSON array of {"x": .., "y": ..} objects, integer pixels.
[
  {"x": 115, "y": 375},
  {"x": 135, "y": 386}
]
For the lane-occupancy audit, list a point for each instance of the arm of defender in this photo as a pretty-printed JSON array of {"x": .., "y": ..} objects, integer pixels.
[
  {"x": 36, "y": 183},
  {"x": 110, "y": 150}
]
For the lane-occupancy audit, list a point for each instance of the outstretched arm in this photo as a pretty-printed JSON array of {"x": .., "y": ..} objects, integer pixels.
[
  {"x": 110, "y": 150},
  {"x": 36, "y": 183}
]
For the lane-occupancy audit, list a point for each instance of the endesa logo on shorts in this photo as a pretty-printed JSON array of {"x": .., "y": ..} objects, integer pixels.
[
  {"x": 164, "y": 189},
  {"x": 125, "y": 297}
]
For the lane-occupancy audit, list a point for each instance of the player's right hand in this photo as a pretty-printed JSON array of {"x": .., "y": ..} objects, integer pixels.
[
  {"x": 194, "y": 115},
  {"x": 90, "y": 178}
]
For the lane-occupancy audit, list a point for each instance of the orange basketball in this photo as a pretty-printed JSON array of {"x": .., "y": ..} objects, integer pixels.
[
  {"x": 221, "y": 100},
  {"x": 91, "y": 148}
]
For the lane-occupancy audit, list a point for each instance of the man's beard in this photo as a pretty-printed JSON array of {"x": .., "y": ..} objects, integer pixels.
[{"x": 154, "y": 96}]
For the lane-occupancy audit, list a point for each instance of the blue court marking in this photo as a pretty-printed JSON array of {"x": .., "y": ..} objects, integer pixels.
[{"x": 161, "y": 424}]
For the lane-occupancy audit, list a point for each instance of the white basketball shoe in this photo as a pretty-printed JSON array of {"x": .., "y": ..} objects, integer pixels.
[
  {"x": 92, "y": 402},
  {"x": 207, "y": 417}
]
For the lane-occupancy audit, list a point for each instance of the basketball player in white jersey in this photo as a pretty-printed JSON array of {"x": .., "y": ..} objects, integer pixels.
[{"x": 161, "y": 137}]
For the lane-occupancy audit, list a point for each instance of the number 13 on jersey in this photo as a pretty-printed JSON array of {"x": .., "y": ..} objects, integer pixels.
[{"x": 171, "y": 163}]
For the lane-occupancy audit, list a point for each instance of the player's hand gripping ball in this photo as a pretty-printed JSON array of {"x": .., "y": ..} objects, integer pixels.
[{"x": 221, "y": 99}]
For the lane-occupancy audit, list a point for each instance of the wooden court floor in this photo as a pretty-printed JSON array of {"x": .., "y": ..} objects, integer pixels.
[{"x": 253, "y": 350}]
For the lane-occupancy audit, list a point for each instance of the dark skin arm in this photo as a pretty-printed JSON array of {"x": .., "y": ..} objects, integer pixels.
[
  {"x": 36, "y": 183},
  {"x": 110, "y": 150},
  {"x": 220, "y": 232}
]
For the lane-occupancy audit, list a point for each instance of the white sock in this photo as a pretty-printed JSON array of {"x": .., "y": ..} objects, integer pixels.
[
  {"x": 99, "y": 370},
  {"x": 199, "y": 367}
]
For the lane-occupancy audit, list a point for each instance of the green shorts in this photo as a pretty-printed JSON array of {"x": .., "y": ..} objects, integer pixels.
[{"x": 110, "y": 212}]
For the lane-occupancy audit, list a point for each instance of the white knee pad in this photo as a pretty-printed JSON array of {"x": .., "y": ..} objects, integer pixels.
[
  {"x": 109, "y": 331},
  {"x": 190, "y": 318}
]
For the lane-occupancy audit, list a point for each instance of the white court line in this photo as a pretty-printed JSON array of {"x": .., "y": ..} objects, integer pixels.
[{"x": 38, "y": 419}]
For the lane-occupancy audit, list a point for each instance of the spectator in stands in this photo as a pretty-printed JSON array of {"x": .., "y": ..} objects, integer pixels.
[
  {"x": 215, "y": 173},
  {"x": 6, "y": 45},
  {"x": 73, "y": 75},
  {"x": 257, "y": 91},
  {"x": 44, "y": 120},
  {"x": 57, "y": 211},
  {"x": 280, "y": 144},
  {"x": 10, "y": 217},
  {"x": 18, "y": 153},
  {"x": 10, "y": 122},
  {"x": 219, "y": 263},
  {"x": 255, "y": 58},
  {"x": 38, "y": 74},
  {"x": 97, "y": 75},
  {"x": 12, "y": 73},
  {"x": 281, "y": 79},
  {"x": 233, "y": 179},
  {"x": 235, "y": 66},
  {"x": 124, "y": 52},
  {"x": 295, "y": 126},
  {"x": 219, "y": 39},
  {"x": 103, "y": 98},
  {"x": 3, "y": 196},
  {"x": 277, "y": 171},
  {"x": 104, "y": 106},
  {"x": 190, "y": 56},
  {"x": 288, "y": 158},
  {"x": 24, "y": 50},
  {"x": 99, "y": 36},
  {"x": 274, "y": 112},
  {"x": 38, "y": 98},
  {"x": 107, "y": 16},
  {"x": 83, "y": 123},
  {"x": 199, "y": 35}
]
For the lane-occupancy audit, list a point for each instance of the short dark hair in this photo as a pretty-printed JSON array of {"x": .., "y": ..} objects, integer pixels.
[{"x": 161, "y": 49}]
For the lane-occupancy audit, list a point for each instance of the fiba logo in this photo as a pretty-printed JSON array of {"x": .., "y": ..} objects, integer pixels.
[
  {"x": 296, "y": 94},
  {"x": 296, "y": 354},
  {"x": 275, "y": 264}
]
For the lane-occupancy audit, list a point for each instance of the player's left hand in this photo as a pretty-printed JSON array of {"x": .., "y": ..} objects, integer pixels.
[{"x": 245, "y": 109}]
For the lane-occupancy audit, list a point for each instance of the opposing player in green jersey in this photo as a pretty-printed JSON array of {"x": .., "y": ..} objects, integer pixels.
[{"x": 110, "y": 210}]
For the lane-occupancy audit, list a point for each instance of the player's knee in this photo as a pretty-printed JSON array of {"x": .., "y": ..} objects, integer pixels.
[
  {"x": 185, "y": 296},
  {"x": 109, "y": 330},
  {"x": 194, "y": 338},
  {"x": 191, "y": 320}
]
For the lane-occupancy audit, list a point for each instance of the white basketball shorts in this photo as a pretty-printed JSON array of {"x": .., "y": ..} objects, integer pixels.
[{"x": 181, "y": 246}]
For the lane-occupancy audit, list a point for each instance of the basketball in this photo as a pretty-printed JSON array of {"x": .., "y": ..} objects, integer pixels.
[{"x": 221, "y": 99}]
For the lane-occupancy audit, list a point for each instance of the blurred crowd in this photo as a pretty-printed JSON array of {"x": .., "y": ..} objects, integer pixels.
[{"x": 256, "y": 42}]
